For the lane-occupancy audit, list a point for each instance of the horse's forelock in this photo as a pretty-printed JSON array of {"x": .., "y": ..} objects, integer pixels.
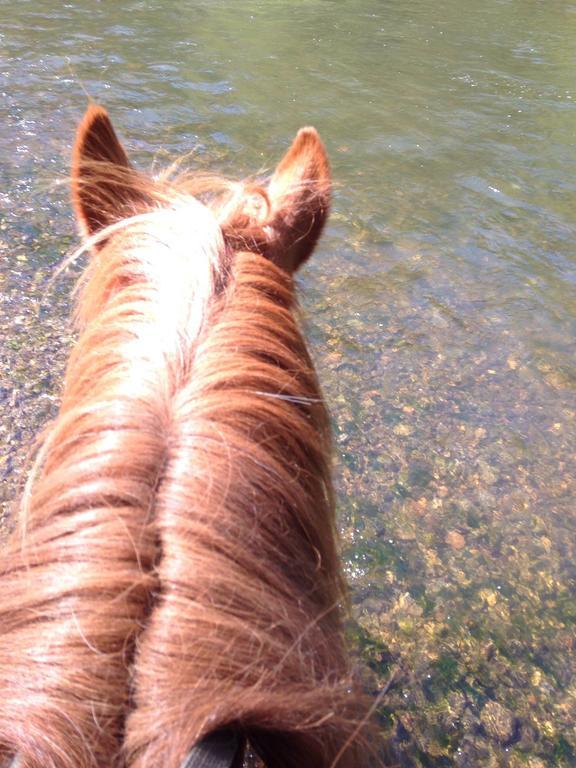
[{"x": 125, "y": 196}]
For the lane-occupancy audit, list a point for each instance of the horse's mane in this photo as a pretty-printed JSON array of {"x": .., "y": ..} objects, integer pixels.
[{"x": 174, "y": 566}]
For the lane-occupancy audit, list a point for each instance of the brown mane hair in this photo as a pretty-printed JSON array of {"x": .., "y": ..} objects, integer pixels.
[{"x": 174, "y": 567}]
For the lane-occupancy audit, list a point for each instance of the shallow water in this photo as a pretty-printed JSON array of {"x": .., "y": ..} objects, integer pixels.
[{"x": 441, "y": 306}]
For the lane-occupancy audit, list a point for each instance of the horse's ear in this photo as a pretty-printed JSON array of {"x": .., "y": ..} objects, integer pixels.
[
  {"x": 299, "y": 192},
  {"x": 104, "y": 185}
]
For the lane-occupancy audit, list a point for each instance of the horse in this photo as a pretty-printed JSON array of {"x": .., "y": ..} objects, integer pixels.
[{"x": 173, "y": 572}]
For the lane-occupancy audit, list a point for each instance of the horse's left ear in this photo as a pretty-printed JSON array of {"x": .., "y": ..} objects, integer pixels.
[
  {"x": 300, "y": 192},
  {"x": 104, "y": 184}
]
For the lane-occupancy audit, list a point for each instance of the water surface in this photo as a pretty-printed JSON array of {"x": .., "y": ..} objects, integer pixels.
[{"x": 441, "y": 306}]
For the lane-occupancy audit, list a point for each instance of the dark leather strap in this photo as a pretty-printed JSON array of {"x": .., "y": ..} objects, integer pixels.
[{"x": 220, "y": 749}]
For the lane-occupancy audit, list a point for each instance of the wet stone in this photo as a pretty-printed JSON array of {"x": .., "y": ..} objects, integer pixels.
[
  {"x": 472, "y": 753},
  {"x": 420, "y": 474},
  {"x": 455, "y": 540},
  {"x": 499, "y": 723}
]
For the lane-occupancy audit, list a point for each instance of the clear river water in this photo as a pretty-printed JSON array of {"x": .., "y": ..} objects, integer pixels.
[{"x": 441, "y": 307}]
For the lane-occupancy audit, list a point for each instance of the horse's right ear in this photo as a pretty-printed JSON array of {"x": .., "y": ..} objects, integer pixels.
[
  {"x": 104, "y": 184},
  {"x": 299, "y": 192}
]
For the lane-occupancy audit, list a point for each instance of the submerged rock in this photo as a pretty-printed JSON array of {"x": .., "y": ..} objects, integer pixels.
[{"x": 499, "y": 723}]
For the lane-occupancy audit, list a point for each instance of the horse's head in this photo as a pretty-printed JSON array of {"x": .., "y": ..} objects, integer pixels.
[
  {"x": 176, "y": 575},
  {"x": 282, "y": 219}
]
